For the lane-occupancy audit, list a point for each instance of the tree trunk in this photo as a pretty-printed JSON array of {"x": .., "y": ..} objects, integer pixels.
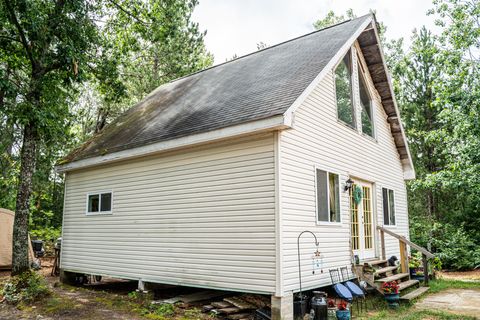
[{"x": 20, "y": 259}]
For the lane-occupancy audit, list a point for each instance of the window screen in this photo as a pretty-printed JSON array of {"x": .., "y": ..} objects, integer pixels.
[{"x": 106, "y": 202}]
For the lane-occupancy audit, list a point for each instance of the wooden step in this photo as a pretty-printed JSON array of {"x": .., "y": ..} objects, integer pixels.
[
  {"x": 385, "y": 269},
  {"x": 407, "y": 284},
  {"x": 393, "y": 278},
  {"x": 415, "y": 293},
  {"x": 374, "y": 262}
]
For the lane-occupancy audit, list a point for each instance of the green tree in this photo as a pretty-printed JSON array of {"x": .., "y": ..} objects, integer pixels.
[
  {"x": 44, "y": 48},
  {"x": 66, "y": 69},
  {"x": 331, "y": 18},
  {"x": 415, "y": 77}
]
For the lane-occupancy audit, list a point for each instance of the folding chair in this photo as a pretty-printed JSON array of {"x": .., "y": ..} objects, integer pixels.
[
  {"x": 356, "y": 291},
  {"x": 340, "y": 289}
]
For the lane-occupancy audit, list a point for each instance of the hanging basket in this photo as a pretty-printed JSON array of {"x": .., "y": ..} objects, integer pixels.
[{"x": 357, "y": 194}]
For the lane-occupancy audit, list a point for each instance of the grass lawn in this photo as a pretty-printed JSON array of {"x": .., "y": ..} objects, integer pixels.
[{"x": 378, "y": 308}]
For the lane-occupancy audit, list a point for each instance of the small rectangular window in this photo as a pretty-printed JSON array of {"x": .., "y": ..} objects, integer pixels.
[
  {"x": 388, "y": 207},
  {"x": 99, "y": 203},
  {"x": 343, "y": 90},
  {"x": 328, "y": 196}
]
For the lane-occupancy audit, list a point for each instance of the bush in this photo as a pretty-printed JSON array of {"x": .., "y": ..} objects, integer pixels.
[
  {"x": 452, "y": 244},
  {"x": 28, "y": 286}
]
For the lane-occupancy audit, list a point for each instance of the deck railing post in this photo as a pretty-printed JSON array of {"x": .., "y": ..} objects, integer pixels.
[
  {"x": 425, "y": 269},
  {"x": 403, "y": 256},
  {"x": 382, "y": 241}
]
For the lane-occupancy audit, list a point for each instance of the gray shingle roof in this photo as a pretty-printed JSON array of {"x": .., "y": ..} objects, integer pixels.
[{"x": 256, "y": 86}]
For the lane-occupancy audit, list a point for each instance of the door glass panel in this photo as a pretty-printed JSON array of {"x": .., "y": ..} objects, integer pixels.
[
  {"x": 354, "y": 221},
  {"x": 367, "y": 218}
]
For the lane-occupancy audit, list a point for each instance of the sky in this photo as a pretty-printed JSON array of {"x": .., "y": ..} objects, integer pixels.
[{"x": 236, "y": 26}]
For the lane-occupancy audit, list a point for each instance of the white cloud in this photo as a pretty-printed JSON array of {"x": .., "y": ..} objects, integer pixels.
[{"x": 236, "y": 26}]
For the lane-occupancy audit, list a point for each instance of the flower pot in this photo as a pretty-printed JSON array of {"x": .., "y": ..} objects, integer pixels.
[
  {"x": 413, "y": 271},
  {"x": 343, "y": 314},
  {"x": 418, "y": 277},
  {"x": 392, "y": 299},
  {"x": 332, "y": 313}
]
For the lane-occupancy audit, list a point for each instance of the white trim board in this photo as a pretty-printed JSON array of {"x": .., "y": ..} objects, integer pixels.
[{"x": 268, "y": 124}]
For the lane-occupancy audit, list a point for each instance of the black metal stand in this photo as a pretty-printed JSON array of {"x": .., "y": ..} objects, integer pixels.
[{"x": 299, "y": 264}]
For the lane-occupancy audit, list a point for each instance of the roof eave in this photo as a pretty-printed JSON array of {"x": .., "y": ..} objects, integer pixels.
[{"x": 273, "y": 123}]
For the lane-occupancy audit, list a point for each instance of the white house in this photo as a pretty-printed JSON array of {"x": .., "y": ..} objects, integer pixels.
[{"x": 210, "y": 179}]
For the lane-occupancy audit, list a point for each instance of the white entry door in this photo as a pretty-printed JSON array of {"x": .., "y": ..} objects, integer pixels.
[{"x": 362, "y": 222}]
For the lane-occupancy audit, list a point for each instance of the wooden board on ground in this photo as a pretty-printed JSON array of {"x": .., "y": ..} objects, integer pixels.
[
  {"x": 221, "y": 304},
  {"x": 239, "y": 303},
  {"x": 229, "y": 310},
  {"x": 197, "y": 296},
  {"x": 239, "y": 316}
]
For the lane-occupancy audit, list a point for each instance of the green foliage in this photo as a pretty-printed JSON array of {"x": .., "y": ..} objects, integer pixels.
[
  {"x": 133, "y": 295},
  {"x": 69, "y": 68},
  {"x": 331, "y": 18},
  {"x": 49, "y": 235},
  {"x": 455, "y": 247},
  {"x": 159, "y": 311},
  {"x": 26, "y": 287}
]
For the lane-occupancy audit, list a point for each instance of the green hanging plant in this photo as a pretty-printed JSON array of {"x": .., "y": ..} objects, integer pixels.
[{"x": 357, "y": 194}]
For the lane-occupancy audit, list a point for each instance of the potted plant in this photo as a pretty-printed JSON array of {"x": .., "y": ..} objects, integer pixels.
[
  {"x": 332, "y": 308},
  {"x": 343, "y": 313},
  {"x": 414, "y": 263},
  {"x": 390, "y": 292}
]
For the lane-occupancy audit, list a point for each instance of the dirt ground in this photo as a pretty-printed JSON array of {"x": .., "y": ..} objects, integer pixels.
[
  {"x": 106, "y": 300},
  {"x": 473, "y": 275},
  {"x": 116, "y": 299}
]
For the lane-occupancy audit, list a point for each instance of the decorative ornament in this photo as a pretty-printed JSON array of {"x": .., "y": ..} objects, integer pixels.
[
  {"x": 357, "y": 194},
  {"x": 317, "y": 261}
]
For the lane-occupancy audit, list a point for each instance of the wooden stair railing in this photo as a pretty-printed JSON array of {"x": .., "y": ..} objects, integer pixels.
[{"x": 403, "y": 242}]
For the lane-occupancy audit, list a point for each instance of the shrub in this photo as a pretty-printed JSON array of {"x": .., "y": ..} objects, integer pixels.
[
  {"x": 452, "y": 244},
  {"x": 28, "y": 286}
]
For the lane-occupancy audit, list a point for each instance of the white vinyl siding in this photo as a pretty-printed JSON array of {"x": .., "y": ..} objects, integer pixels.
[
  {"x": 201, "y": 217},
  {"x": 318, "y": 139}
]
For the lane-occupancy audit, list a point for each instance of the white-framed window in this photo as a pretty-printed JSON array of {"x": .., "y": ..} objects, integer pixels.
[
  {"x": 365, "y": 103},
  {"x": 388, "y": 207},
  {"x": 344, "y": 92},
  {"x": 99, "y": 202},
  {"x": 327, "y": 189}
]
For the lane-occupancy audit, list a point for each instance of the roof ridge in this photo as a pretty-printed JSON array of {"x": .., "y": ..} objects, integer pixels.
[{"x": 267, "y": 48}]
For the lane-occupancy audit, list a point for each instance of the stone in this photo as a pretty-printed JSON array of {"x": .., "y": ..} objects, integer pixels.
[{"x": 458, "y": 301}]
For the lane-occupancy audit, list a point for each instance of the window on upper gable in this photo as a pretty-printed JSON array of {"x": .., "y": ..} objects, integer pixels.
[
  {"x": 343, "y": 90},
  {"x": 366, "y": 104}
]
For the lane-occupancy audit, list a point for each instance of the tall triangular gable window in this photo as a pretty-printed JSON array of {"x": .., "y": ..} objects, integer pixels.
[
  {"x": 365, "y": 103},
  {"x": 343, "y": 90}
]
